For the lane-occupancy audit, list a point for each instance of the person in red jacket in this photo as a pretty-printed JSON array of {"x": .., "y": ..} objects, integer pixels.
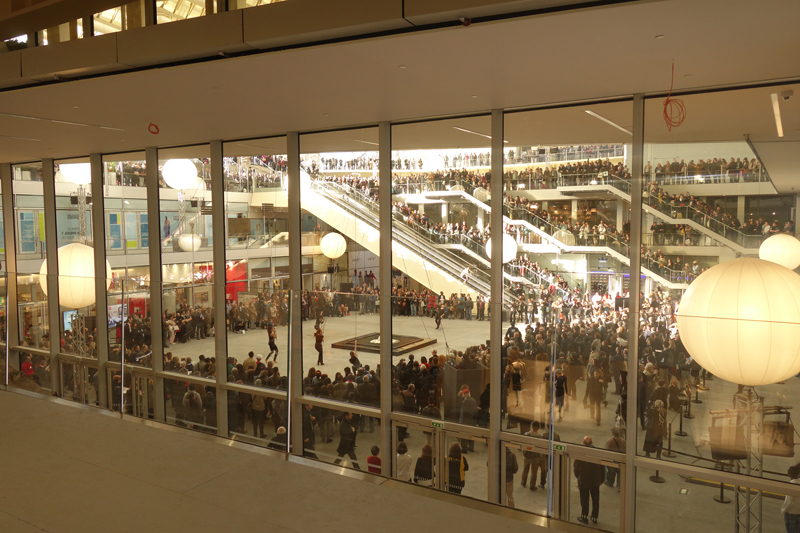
[{"x": 27, "y": 366}]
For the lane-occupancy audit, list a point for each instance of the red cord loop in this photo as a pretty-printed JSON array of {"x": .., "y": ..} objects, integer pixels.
[
  {"x": 674, "y": 109},
  {"x": 152, "y": 128}
]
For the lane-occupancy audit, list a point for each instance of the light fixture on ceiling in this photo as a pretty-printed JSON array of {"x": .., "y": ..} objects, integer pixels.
[
  {"x": 66, "y": 122},
  {"x": 19, "y": 138},
  {"x": 402, "y": 66},
  {"x": 474, "y": 132},
  {"x": 659, "y": 37},
  {"x": 776, "y": 110},
  {"x": 366, "y": 142},
  {"x": 610, "y": 123}
]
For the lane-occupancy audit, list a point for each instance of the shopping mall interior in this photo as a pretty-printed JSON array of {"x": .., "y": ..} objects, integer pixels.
[{"x": 533, "y": 261}]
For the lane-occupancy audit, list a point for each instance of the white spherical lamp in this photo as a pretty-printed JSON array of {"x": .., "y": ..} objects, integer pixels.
[
  {"x": 333, "y": 245},
  {"x": 76, "y": 276},
  {"x": 77, "y": 173},
  {"x": 740, "y": 320},
  {"x": 190, "y": 242},
  {"x": 509, "y": 248},
  {"x": 180, "y": 174},
  {"x": 783, "y": 249}
]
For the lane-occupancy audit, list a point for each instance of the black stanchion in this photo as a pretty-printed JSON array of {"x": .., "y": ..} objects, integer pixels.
[
  {"x": 681, "y": 432},
  {"x": 688, "y": 411},
  {"x": 697, "y": 395},
  {"x": 721, "y": 498},
  {"x": 669, "y": 453},
  {"x": 657, "y": 479}
]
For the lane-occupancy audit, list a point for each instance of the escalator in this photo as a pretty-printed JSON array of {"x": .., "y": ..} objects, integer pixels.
[{"x": 421, "y": 256}]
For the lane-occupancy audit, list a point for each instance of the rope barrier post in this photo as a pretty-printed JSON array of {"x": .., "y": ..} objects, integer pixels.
[
  {"x": 681, "y": 432},
  {"x": 657, "y": 479},
  {"x": 721, "y": 498},
  {"x": 669, "y": 453},
  {"x": 697, "y": 396},
  {"x": 688, "y": 411}
]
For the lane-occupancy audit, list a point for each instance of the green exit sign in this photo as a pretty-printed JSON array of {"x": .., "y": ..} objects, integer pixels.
[
  {"x": 437, "y": 425},
  {"x": 560, "y": 447}
]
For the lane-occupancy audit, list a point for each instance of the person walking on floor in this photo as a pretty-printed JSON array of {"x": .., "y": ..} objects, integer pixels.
[{"x": 347, "y": 441}]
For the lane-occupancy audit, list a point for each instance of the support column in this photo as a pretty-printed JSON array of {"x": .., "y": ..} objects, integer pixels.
[
  {"x": 12, "y": 325},
  {"x": 88, "y": 26},
  {"x": 101, "y": 276},
  {"x": 574, "y": 211},
  {"x": 51, "y": 247},
  {"x": 209, "y": 7},
  {"x": 295, "y": 415},
  {"x": 220, "y": 331},
  {"x": 633, "y": 316},
  {"x": 620, "y": 214},
  {"x": 741, "y": 212},
  {"x": 154, "y": 242},
  {"x": 385, "y": 287},
  {"x": 496, "y": 320}
]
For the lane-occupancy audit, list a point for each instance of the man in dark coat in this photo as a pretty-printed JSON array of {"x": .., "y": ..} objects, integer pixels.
[
  {"x": 590, "y": 476},
  {"x": 347, "y": 441}
]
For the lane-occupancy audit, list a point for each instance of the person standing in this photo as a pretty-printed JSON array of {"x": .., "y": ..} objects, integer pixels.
[
  {"x": 439, "y": 313},
  {"x": 423, "y": 469},
  {"x": 791, "y": 505},
  {"x": 469, "y": 410},
  {"x": 403, "y": 462},
  {"x": 457, "y": 467},
  {"x": 309, "y": 439},
  {"x": 617, "y": 444},
  {"x": 594, "y": 395},
  {"x": 273, "y": 347},
  {"x": 318, "y": 338},
  {"x": 347, "y": 441},
  {"x": 656, "y": 429},
  {"x": 512, "y": 466},
  {"x": 590, "y": 477},
  {"x": 561, "y": 390},
  {"x": 166, "y": 227},
  {"x": 480, "y": 303}
]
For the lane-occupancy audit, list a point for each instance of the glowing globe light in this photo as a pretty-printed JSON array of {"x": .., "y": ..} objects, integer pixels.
[
  {"x": 783, "y": 249},
  {"x": 77, "y": 173},
  {"x": 76, "y": 276},
  {"x": 509, "y": 248},
  {"x": 333, "y": 245},
  {"x": 740, "y": 320},
  {"x": 180, "y": 174},
  {"x": 190, "y": 242}
]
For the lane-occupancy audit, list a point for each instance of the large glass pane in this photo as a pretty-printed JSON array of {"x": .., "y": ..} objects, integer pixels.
[
  {"x": 242, "y": 4},
  {"x": 257, "y": 262},
  {"x": 190, "y": 404},
  {"x": 33, "y": 320},
  {"x": 127, "y": 240},
  {"x": 76, "y": 279},
  {"x": 731, "y": 196},
  {"x": 672, "y": 502},
  {"x": 186, "y": 236},
  {"x": 173, "y": 10},
  {"x": 441, "y": 272},
  {"x": 334, "y": 436},
  {"x": 566, "y": 206},
  {"x": 339, "y": 189}
]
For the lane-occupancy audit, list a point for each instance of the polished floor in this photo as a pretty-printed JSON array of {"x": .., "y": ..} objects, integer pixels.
[{"x": 66, "y": 469}]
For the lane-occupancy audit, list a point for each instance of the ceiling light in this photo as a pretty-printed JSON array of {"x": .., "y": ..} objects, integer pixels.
[
  {"x": 604, "y": 119},
  {"x": 68, "y": 123},
  {"x": 474, "y": 95},
  {"x": 474, "y": 132},
  {"x": 19, "y": 138},
  {"x": 776, "y": 110},
  {"x": 366, "y": 142},
  {"x": 659, "y": 36},
  {"x": 402, "y": 66}
]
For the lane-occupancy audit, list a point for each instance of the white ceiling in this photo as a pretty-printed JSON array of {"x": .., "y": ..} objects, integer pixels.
[{"x": 589, "y": 54}]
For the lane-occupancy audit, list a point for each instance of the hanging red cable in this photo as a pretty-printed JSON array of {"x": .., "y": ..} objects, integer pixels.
[{"x": 674, "y": 109}]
